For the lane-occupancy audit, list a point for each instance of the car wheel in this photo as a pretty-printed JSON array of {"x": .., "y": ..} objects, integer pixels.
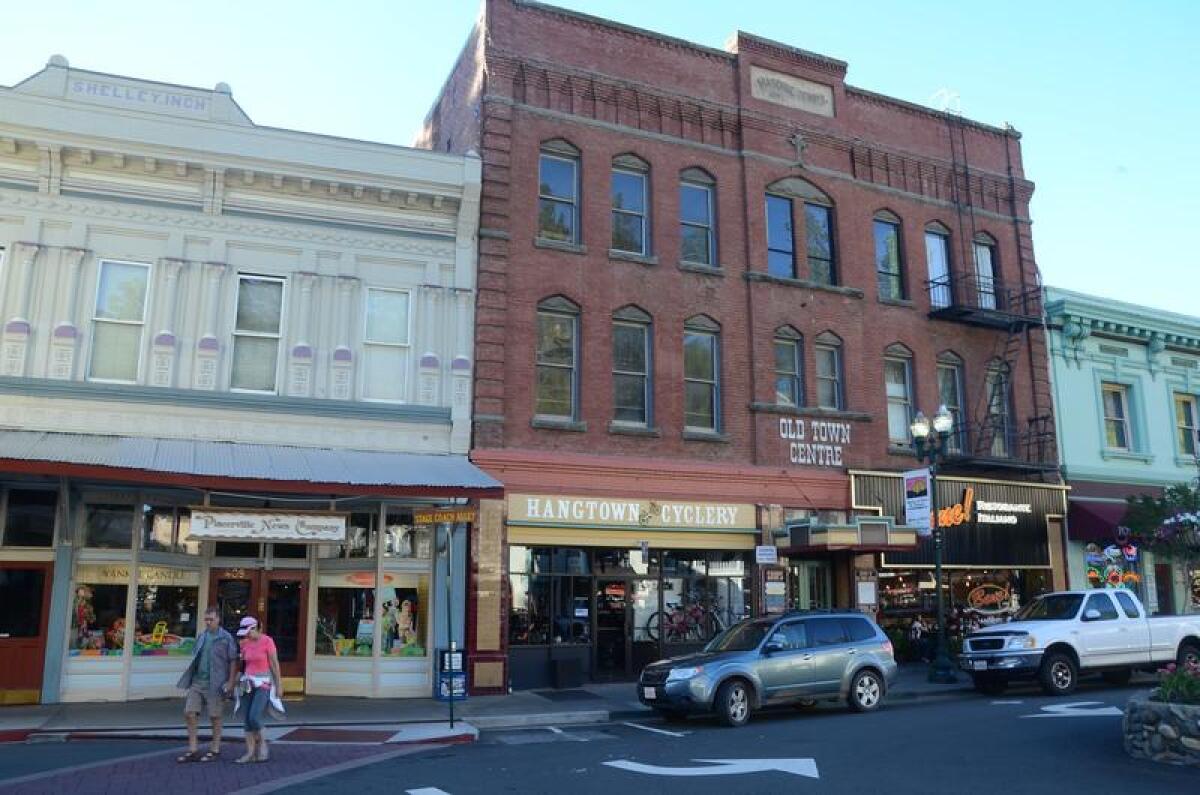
[
  {"x": 1117, "y": 678},
  {"x": 733, "y": 703},
  {"x": 866, "y": 691},
  {"x": 1189, "y": 654},
  {"x": 672, "y": 715},
  {"x": 990, "y": 685},
  {"x": 1058, "y": 674}
]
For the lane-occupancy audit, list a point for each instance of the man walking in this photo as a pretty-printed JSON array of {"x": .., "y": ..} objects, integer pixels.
[{"x": 207, "y": 682}]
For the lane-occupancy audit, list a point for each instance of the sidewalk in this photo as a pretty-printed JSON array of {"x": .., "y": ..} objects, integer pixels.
[{"x": 334, "y": 719}]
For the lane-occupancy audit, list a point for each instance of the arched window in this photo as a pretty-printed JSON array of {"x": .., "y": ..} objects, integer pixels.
[
  {"x": 697, "y": 217},
  {"x": 985, "y": 271},
  {"x": 632, "y": 367},
  {"x": 789, "y": 367},
  {"x": 998, "y": 424},
  {"x": 950, "y": 395},
  {"x": 702, "y": 374},
  {"x": 889, "y": 259},
  {"x": 558, "y": 192},
  {"x": 814, "y": 232},
  {"x": 828, "y": 353},
  {"x": 937, "y": 261},
  {"x": 557, "y": 385},
  {"x": 630, "y": 205},
  {"x": 897, "y": 377}
]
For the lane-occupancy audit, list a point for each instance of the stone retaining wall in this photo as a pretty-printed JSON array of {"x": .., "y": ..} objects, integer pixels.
[{"x": 1162, "y": 732}]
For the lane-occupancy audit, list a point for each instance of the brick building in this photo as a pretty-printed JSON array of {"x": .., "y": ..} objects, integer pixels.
[{"x": 830, "y": 259}]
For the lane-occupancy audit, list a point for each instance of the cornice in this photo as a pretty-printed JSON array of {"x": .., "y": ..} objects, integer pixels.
[
  {"x": 1082, "y": 314},
  {"x": 786, "y": 52},
  {"x": 921, "y": 110}
]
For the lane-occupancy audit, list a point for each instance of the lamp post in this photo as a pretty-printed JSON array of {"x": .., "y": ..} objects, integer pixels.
[{"x": 932, "y": 447}]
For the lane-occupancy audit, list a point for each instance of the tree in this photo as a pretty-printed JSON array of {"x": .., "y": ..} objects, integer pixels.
[{"x": 1169, "y": 526}]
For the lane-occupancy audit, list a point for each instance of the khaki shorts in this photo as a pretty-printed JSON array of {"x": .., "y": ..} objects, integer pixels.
[{"x": 198, "y": 700}]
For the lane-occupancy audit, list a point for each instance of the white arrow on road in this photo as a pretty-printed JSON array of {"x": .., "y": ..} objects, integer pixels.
[
  {"x": 1079, "y": 709},
  {"x": 724, "y": 767}
]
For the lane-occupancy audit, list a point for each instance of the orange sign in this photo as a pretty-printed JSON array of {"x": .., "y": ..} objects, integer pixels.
[{"x": 959, "y": 512}]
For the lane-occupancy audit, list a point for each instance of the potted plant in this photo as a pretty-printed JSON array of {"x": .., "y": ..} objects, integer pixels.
[{"x": 1165, "y": 727}]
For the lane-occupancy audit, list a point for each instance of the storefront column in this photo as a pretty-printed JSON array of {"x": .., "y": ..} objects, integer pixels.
[
  {"x": 489, "y": 648},
  {"x": 457, "y": 603},
  {"x": 60, "y": 619}
]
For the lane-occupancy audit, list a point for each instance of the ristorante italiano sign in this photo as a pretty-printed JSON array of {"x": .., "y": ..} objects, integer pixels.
[{"x": 554, "y": 510}]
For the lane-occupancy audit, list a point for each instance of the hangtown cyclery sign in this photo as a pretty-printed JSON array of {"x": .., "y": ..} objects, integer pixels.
[
  {"x": 814, "y": 442},
  {"x": 536, "y": 509},
  {"x": 210, "y": 524}
]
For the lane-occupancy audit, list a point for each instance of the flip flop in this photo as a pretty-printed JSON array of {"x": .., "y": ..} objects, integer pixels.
[
  {"x": 210, "y": 756},
  {"x": 189, "y": 756}
]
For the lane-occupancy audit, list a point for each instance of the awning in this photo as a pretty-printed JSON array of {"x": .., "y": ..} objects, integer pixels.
[
  {"x": 214, "y": 465},
  {"x": 867, "y": 534},
  {"x": 1094, "y": 520}
]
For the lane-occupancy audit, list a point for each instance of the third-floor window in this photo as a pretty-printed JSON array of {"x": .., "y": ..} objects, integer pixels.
[
  {"x": 1116, "y": 416},
  {"x": 889, "y": 262},
  {"x": 118, "y": 321},
  {"x": 697, "y": 227},
  {"x": 558, "y": 192},
  {"x": 1186, "y": 423},
  {"x": 386, "y": 345},
  {"x": 557, "y": 387},
  {"x": 630, "y": 202},
  {"x": 781, "y": 251}
]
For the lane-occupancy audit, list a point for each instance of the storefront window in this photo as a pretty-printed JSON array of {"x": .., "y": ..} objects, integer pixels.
[
  {"x": 346, "y": 614},
  {"x": 29, "y": 518},
  {"x": 109, "y": 527},
  {"x": 403, "y": 539},
  {"x": 98, "y": 610},
  {"x": 1194, "y": 579},
  {"x": 360, "y": 538},
  {"x": 166, "y": 611},
  {"x": 1113, "y": 566},
  {"x": 168, "y": 529}
]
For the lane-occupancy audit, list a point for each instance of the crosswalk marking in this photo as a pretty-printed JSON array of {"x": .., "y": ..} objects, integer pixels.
[{"x": 652, "y": 729}]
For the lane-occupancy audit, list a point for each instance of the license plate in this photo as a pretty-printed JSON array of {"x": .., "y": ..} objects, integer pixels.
[
  {"x": 649, "y": 693},
  {"x": 979, "y": 665}
]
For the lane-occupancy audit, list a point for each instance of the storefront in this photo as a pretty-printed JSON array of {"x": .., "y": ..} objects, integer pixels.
[
  {"x": 1003, "y": 546},
  {"x": 597, "y": 587}
]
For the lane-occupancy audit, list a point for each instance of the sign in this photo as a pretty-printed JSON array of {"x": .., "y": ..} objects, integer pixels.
[
  {"x": 867, "y": 593},
  {"x": 141, "y": 97},
  {"x": 1001, "y": 512},
  {"x": 118, "y": 574},
  {"x": 723, "y": 767},
  {"x": 452, "y": 661},
  {"x": 445, "y": 516},
  {"x": 774, "y": 591},
  {"x": 791, "y": 92},
  {"x": 766, "y": 555},
  {"x": 814, "y": 442},
  {"x": 990, "y": 599},
  {"x": 599, "y": 512},
  {"x": 957, "y": 513},
  {"x": 219, "y": 525},
  {"x": 918, "y": 511}
]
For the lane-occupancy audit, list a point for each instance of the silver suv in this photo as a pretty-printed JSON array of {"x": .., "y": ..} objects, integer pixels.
[{"x": 797, "y": 658}]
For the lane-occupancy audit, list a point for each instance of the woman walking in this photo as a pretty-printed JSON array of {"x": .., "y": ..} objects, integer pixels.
[{"x": 260, "y": 685}]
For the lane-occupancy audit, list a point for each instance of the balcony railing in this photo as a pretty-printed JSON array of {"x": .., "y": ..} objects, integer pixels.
[
  {"x": 1001, "y": 444},
  {"x": 982, "y": 300}
]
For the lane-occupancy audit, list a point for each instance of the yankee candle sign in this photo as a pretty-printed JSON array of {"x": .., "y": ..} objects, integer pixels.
[{"x": 815, "y": 442}]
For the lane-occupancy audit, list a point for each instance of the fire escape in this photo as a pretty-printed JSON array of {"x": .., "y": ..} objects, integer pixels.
[{"x": 991, "y": 437}]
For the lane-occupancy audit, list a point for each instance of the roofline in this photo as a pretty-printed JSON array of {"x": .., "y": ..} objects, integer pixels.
[
  {"x": 1056, "y": 296},
  {"x": 1010, "y": 131}
]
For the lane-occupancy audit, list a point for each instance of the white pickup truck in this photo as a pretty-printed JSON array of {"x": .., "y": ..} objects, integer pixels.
[{"x": 1058, "y": 636}]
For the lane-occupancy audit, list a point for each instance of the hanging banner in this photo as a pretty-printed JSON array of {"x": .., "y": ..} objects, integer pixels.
[
  {"x": 297, "y": 527},
  {"x": 918, "y": 508}
]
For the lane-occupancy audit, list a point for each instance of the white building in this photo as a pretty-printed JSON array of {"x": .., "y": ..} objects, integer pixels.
[{"x": 202, "y": 315}]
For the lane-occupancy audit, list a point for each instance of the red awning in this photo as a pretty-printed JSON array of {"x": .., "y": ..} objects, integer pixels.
[{"x": 1094, "y": 520}]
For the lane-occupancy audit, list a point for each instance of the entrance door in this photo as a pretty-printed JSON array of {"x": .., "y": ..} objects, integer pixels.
[
  {"x": 612, "y": 629},
  {"x": 279, "y": 600},
  {"x": 24, "y": 604},
  {"x": 811, "y": 585}
]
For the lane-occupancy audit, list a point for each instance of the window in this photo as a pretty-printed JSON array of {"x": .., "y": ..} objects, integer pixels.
[
  {"x": 985, "y": 271},
  {"x": 22, "y": 593},
  {"x": 857, "y": 629},
  {"x": 793, "y": 635},
  {"x": 386, "y": 345},
  {"x": 897, "y": 372},
  {"x": 781, "y": 252},
  {"x": 697, "y": 239},
  {"x": 825, "y": 632},
  {"x": 256, "y": 333},
  {"x": 998, "y": 428},
  {"x": 118, "y": 321},
  {"x": 1186, "y": 424},
  {"x": 631, "y": 366},
  {"x": 950, "y": 395},
  {"x": 630, "y": 181},
  {"x": 818, "y": 233},
  {"x": 1100, "y": 602},
  {"x": 1116, "y": 416},
  {"x": 1127, "y": 604},
  {"x": 829, "y": 371},
  {"x": 558, "y": 192},
  {"x": 789, "y": 387},
  {"x": 557, "y": 350},
  {"x": 937, "y": 260},
  {"x": 404, "y": 539},
  {"x": 168, "y": 529},
  {"x": 551, "y": 602},
  {"x": 361, "y": 537},
  {"x": 29, "y": 518},
  {"x": 889, "y": 263},
  {"x": 98, "y": 610},
  {"x": 165, "y": 613},
  {"x": 701, "y": 407},
  {"x": 109, "y": 526},
  {"x": 346, "y": 614}
]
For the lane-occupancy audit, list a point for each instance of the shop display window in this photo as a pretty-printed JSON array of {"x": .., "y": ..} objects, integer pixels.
[
  {"x": 29, "y": 518},
  {"x": 165, "y": 613},
  {"x": 1114, "y": 566},
  {"x": 1194, "y": 580},
  {"x": 403, "y": 539},
  {"x": 168, "y": 529},
  {"x": 346, "y": 614},
  {"x": 109, "y": 527},
  {"x": 360, "y": 538},
  {"x": 98, "y": 611}
]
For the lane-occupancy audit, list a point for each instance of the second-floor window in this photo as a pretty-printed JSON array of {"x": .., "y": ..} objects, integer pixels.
[
  {"x": 897, "y": 372},
  {"x": 258, "y": 327},
  {"x": 828, "y": 351},
  {"x": 701, "y": 368},
  {"x": 889, "y": 264},
  {"x": 789, "y": 387},
  {"x": 985, "y": 271},
  {"x": 631, "y": 367},
  {"x": 1186, "y": 424},
  {"x": 557, "y": 353},
  {"x": 998, "y": 425},
  {"x": 118, "y": 321},
  {"x": 386, "y": 345},
  {"x": 1116, "y": 416},
  {"x": 950, "y": 393},
  {"x": 558, "y": 193},
  {"x": 781, "y": 251},
  {"x": 697, "y": 236},
  {"x": 630, "y": 198}
]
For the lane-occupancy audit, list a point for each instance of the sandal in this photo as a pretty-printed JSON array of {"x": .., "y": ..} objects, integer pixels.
[
  {"x": 244, "y": 758},
  {"x": 189, "y": 756},
  {"x": 210, "y": 756}
]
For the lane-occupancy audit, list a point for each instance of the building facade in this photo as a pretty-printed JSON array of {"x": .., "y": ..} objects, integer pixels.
[
  {"x": 1131, "y": 376},
  {"x": 236, "y": 370},
  {"x": 714, "y": 288}
]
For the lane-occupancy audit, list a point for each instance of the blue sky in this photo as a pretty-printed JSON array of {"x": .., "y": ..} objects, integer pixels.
[{"x": 1106, "y": 94}]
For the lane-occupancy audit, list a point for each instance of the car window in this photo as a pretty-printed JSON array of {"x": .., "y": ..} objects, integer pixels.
[
  {"x": 858, "y": 629},
  {"x": 797, "y": 638},
  {"x": 740, "y": 637},
  {"x": 1054, "y": 607},
  {"x": 1101, "y": 602},
  {"x": 1127, "y": 604},
  {"x": 825, "y": 631}
]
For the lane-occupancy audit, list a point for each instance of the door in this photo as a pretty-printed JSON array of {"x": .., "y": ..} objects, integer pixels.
[
  {"x": 612, "y": 629},
  {"x": 831, "y": 652},
  {"x": 985, "y": 275},
  {"x": 1163, "y": 591},
  {"x": 1102, "y": 639},
  {"x": 787, "y": 673},
  {"x": 811, "y": 586},
  {"x": 24, "y": 601},
  {"x": 279, "y": 600},
  {"x": 1135, "y": 628}
]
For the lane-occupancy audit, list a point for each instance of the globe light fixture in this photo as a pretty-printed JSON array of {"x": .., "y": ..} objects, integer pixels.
[
  {"x": 943, "y": 421},
  {"x": 919, "y": 427}
]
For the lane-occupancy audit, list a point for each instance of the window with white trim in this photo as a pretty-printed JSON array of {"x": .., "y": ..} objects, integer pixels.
[
  {"x": 1116, "y": 416},
  {"x": 701, "y": 375},
  {"x": 631, "y": 366},
  {"x": 386, "y": 348},
  {"x": 789, "y": 384},
  {"x": 257, "y": 331},
  {"x": 697, "y": 237},
  {"x": 897, "y": 372},
  {"x": 630, "y": 205},
  {"x": 950, "y": 394},
  {"x": 1187, "y": 425},
  {"x": 557, "y": 386},
  {"x": 828, "y": 351},
  {"x": 118, "y": 321},
  {"x": 558, "y": 192}
]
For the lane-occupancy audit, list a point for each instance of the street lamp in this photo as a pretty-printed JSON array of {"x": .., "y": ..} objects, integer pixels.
[{"x": 933, "y": 447}]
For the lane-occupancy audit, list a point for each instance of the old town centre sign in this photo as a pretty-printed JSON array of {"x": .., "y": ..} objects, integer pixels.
[{"x": 814, "y": 442}]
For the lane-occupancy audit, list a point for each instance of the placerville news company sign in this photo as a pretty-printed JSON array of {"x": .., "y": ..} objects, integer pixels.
[{"x": 814, "y": 442}]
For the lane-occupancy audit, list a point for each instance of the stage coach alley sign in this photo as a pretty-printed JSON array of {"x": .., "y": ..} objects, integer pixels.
[{"x": 814, "y": 442}]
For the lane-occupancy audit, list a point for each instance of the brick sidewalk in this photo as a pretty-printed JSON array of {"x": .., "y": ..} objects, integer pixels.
[{"x": 159, "y": 772}]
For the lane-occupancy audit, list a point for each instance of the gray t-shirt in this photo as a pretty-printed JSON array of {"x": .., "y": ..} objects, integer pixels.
[{"x": 203, "y": 673}]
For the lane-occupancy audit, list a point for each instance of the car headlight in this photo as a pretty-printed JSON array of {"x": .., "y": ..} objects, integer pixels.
[
  {"x": 684, "y": 673},
  {"x": 1021, "y": 642}
]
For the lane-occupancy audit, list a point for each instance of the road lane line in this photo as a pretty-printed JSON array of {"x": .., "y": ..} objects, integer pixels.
[
  {"x": 427, "y": 791},
  {"x": 652, "y": 729},
  {"x": 1003, "y": 703}
]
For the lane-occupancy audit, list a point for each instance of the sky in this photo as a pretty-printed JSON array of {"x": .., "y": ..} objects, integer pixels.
[{"x": 1106, "y": 94}]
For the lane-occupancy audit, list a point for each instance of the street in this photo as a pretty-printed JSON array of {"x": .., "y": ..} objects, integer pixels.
[{"x": 1023, "y": 742}]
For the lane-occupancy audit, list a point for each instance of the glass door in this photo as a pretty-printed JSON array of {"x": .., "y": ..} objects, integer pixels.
[
  {"x": 811, "y": 586},
  {"x": 278, "y": 599},
  {"x": 612, "y": 629},
  {"x": 24, "y": 595}
]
